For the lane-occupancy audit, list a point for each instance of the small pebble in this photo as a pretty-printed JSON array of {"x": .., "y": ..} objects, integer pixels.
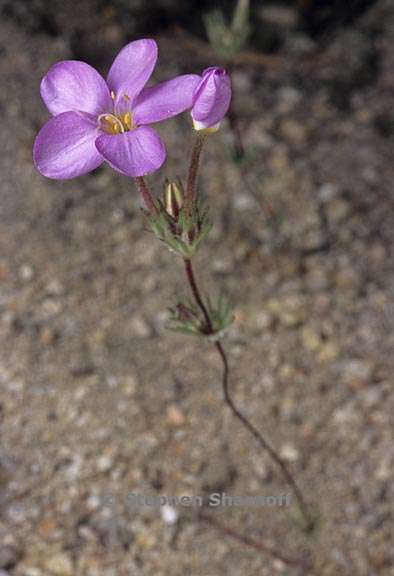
[
  {"x": 94, "y": 502},
  {"x": 169, "y": 514},
  {"x": 311, "y": 339},
  {"x": 60, "y": 565},
  {"x": 383, "y": 471},
  {"x": 328, "y": 352},
  {"x": 130, "y": 385},
  {"x": 30, "y": 571},
  {"x": 356, "y": 372},
  {"x": 175, "y": 416},
  {"x": 105, "y": 463},
  {"x": 47, "y": 336},
  {"x": 140, "y": 327},
  {"x": 26, "y": 272},
  {"x": 146, "y": 540},
  {"x": 289, "y": 452}
]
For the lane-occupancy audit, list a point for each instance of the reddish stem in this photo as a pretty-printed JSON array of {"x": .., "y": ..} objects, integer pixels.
[
  {"x": 146, "y": 195},
  {"x": 196, "y": 294},
  {"x": 231, "y": 404},
  {"x": 251, "y": 543},
  {"x": 193, "y": 170}
]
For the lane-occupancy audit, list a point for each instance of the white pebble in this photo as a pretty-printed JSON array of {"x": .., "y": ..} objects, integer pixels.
[{"x": 169, "y": 514}]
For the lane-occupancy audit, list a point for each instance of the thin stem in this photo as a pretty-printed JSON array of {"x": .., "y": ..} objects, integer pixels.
[
  {"x": 241, "y": 16},
  {"x": 146, "y": 195},
  {"x": 196, "y": 294},
  {"x": 251, "y": 543},
  {"x": 236, "y": 412},
  {"x": 193, "y": 169},
  {"x": 261, "y": 440}
]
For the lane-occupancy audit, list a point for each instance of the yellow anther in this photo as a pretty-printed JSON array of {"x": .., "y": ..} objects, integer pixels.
[
  {"x": 113, "y": 124},
  {"x": 110, "y": 119},
  {"x": 112, "y": 95},
  {"x": 127, "y": 120},
  {"x": 126, "y": 97}
]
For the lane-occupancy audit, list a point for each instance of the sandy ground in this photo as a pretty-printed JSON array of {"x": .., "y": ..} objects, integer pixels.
[{"x": 99, "y": 400}]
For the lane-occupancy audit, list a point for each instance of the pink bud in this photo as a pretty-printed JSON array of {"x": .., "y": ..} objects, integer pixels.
[{"x": 211, "y": 98}]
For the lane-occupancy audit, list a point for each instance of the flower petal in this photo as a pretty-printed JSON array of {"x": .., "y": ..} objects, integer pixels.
[
  {"x": 64, "y": 148},
  {"x": 135, "y": 153},
  {"x": 132, "y": 69},
  {"x": 73, "y": 85},
  {"x": 212, "y": 97},
  {"x": 165, "y": 100}
]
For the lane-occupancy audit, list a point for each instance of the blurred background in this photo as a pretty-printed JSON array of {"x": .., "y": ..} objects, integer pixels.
[{"x": 99, "y": 400}]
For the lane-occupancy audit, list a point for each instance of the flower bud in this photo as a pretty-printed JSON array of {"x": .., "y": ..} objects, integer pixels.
[
  {"x": 211, "y": 99},
  {"x": 173, "y": 198}
]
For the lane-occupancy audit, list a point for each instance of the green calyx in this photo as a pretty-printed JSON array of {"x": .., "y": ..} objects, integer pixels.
[
  {"x": 182, "y": 230},
  {"x": 187, "y": 318}
]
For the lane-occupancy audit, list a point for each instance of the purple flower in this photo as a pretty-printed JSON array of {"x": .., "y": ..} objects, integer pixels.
[
  {"x": 96, "y": 120},
  {"x": 211, "y": 99}
]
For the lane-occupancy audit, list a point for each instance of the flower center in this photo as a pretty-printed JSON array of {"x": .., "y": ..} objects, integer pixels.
[{"x": 118, "y": 122}]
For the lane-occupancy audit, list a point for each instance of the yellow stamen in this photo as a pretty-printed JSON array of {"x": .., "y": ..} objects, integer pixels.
[
  {"x": 112, "y": 95},
  {"x": 127, "y": 120},
  {"x": 114, "y": 124}
]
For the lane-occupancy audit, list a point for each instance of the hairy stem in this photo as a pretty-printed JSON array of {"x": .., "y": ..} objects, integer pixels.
[
  {"x": 265, "y": 445},
  {"x": 193, "y": 170},
  {"x": 146, "y": 195}
]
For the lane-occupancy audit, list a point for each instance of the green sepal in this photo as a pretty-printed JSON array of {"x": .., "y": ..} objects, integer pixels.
[
  {"x": 183, "y": 234},
  {"x": 187, "y": 318}
]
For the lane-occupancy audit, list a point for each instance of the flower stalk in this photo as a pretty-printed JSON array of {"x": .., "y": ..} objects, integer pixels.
[
  {"x": 197, "y": 296},
  {"x": 193, "y": 171},
  {"x": 146, "y": 195}
]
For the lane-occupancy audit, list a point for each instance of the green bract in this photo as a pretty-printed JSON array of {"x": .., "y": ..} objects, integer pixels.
[
  {"x": 182, "y": 230},
  {"x": 187, "y": 318}
]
